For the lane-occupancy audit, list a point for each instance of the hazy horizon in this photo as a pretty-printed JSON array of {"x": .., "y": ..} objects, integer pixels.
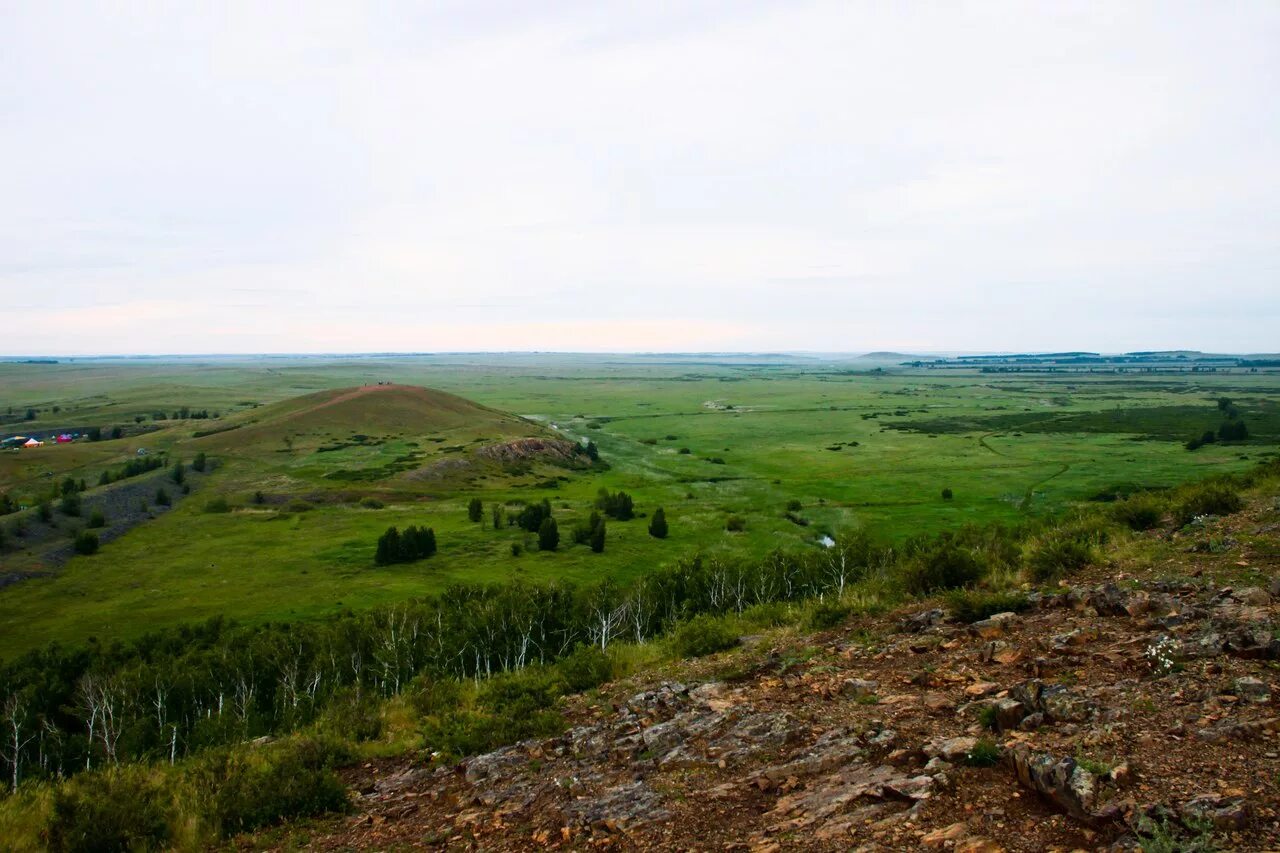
[{"x": 821, "y": 177}]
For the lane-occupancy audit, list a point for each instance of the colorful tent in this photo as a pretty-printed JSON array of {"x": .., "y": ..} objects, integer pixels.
[
  {"x": 64, "y": 438},
  {"x": 31, "y": 442}
]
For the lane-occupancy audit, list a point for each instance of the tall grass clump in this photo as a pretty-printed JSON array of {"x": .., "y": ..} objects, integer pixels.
[
  {"x": 251, "y": 789},
  {"x": 703, "y": 635},
  {"x": 121, "y": 808},
  {"x": 971, "y": 606},
  {"x": 1139, "y": 512},
  {"x": 1057, "y": 554},
  {"x": 941, "y": 565},
  {"x": 1063, "y": 550},
  {"x": 1212, "y": 498}
]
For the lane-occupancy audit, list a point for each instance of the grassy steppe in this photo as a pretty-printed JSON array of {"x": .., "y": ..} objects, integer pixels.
[{"x": 758, "y": 435}]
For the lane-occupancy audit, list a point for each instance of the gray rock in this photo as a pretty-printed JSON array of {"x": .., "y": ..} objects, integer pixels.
[
  {"x": 858, "y": 688},
  {"x": 1059, "y": 780},
  {"x": 1252, "y": 596},
  {"x": 1108, "y": 600},
  {"x": 994, "y": 626},
  {"x": 950, "y": 749},
  {"x": 923, "y": 620},
  {"x": 1252, "y": 689},
  {"x": 1225, "y": 813},
  {"x": 1031, "y": 722},
  {"x": 1008, "y": 713},
  {"x": 618, "y": 808}
]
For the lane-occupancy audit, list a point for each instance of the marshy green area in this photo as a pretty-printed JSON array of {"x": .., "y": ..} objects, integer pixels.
[{"x": 312, "y": 474}]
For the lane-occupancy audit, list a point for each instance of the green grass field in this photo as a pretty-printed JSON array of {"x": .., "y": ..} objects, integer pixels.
[{"x": 857, "y": 447}]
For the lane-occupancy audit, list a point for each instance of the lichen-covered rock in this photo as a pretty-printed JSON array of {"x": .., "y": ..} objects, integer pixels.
[
  {"x": 1058, "y": 779},
  {"x": 616, "y": 809},
  {"x": 1224, "y": 813},
  {"x": 1252, "y": 689},
  {"x": 950, "y": 749}
]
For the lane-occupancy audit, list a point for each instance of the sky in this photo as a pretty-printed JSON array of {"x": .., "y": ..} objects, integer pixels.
[{"x": 614, "y": 176}]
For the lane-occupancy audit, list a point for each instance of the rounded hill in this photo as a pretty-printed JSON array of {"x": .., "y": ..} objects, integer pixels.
[{"x": 367, "y": 410}]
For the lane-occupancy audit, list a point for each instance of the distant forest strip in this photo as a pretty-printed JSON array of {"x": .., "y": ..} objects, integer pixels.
[
  {"x": 180, "y": 691},
  {"x": 1169, "y": 423}
]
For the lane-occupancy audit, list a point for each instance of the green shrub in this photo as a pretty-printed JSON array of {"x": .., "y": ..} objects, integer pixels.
[
  {"x": 371, "y": 503},
  {"x": 460, "y": 733},
  {"x": 703, "y": 635},
  {"x": 218, "y": 504},
  {"x": 586, "y": 667},
  {"x": 793, "y": 505},
  {"x": 658, "y": 524},
  {"x": 521, "y": 691},
  {"x": 97, "y": 520},
  {"x": 827, "y": 614},
  {"x": 1138, "y": 512},
  {"x": 511, "y": 706},
  {"x": 429, "y": 695},
  {"x": 117, "y": 809},
  {"x": 255, "y": 788},
  {"x": 548, "y": 535},
  {"x": 1206, "y": 499},
  {"x": 945, "y": 565},
  {"x": 769, "y": 614},
  {"x": 86, "y": 543},
  {"x": 973, "y": 606},
  {"x": 735, "y": 524},
  {"x": 70, "y": 504},
  {"x": 1056, "y": 554},
  {"x": 352, "y": 716},
  {"x": 947, "y": 494}
]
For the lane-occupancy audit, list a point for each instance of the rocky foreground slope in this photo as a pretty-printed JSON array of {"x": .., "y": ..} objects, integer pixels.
[{"x": 1135, "y": 706}]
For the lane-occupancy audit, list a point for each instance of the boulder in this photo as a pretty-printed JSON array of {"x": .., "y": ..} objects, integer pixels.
[
  {"x": 923, "y": 620},
  {"x": 858, "y": 688},
  {"x": 1008, "y": 713},
  {"x": 1224, "y": 813},
  {"x": 1059, "y": 780},
  {"x": 1251, "y": 689},
  {"x": 950, "y": 749},
  {"x": 994, "y": 626}
]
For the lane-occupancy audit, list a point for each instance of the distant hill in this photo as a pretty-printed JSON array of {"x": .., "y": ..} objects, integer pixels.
[
  {"x": 371, "y": 410},
  {"x": 884, "y": 355}
]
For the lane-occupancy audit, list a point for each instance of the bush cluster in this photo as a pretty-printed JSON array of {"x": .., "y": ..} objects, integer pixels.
[
  {"x": 617, "y": 505},
  {"x": 415, "y": 543},
  {"x": 590, "y": 532},
  {"x": 531, "y": 516}
]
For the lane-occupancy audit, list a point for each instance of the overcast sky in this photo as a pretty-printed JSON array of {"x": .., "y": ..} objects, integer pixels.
[{"x": 844, "y": 176}]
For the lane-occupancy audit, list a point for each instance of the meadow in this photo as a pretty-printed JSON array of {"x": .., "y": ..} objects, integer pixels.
[{"x": 308, "y": 488}]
